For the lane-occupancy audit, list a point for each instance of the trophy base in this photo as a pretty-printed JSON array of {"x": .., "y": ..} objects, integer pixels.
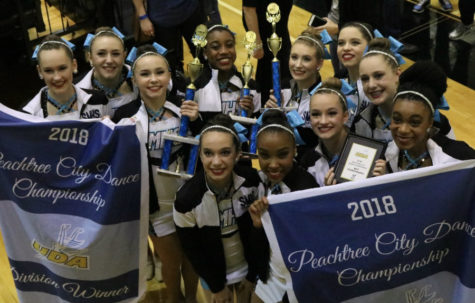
[
  {"x": 285, "y": 109},
  {"x": 181, "y": 175},
  {"x": 247, "y": 155},
  {"x": 186, "y": 140},
  {"x": 243, "y": 120}
]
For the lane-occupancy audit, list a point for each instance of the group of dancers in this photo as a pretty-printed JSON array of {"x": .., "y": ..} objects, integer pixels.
[{"x": 209, "y": 226}]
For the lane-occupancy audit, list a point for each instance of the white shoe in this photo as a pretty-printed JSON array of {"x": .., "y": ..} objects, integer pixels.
[{"x": 459, "y": 30}]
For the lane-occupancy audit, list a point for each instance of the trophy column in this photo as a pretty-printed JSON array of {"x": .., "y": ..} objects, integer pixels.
[
  {"x": 194, "y": 70},
  {"x": 274, "y": 43}
]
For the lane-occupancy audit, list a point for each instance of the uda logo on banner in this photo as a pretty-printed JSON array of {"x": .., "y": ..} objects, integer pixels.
[
  {"x": 72, "y": 212},
  {"x": 406, "y": 237}
]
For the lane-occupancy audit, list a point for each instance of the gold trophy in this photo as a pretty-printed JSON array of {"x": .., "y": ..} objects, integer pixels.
[
  {"x": 194, "y": 70},
  {"x": 247, "y": 68},
  {"x": 195, "y": 66},
  {"x": 273, "y": 16},
  {"x": 274, "y": 43}
]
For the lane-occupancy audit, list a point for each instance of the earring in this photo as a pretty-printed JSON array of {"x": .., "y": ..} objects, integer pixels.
[
  {"x": 75, "y": 71},
  {"x": 40, "y": 76}
]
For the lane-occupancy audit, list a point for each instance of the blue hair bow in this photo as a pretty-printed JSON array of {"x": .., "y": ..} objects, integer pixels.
[
  {"x": 89, "y": 37},
  {"x": 294, "y": 119},
  {"x": 133, "y": 52},
  {"x": 347, "y": 89},
  {"x": 241, "y": 131},
  {"x": 326, "y": 39},
  {"x": 69, "y": 44},
  {"x": 443, "y": 104},
  {"x": 395, "y": 46}
]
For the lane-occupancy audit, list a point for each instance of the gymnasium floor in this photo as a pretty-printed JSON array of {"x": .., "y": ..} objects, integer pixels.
[{"x": 428, "y": 31}]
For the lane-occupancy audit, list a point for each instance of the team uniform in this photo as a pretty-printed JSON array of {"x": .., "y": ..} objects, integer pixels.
[
  {"x": 216, "y": 233},
  {"x": 90, "y": 105},
  {"x": 162, "y": 187},
  {"x": 213, "y": 99},
  {"x": 370, "y": 123},
  {"x": 440, "y": 148},
  {"x": 274, "y": 288},
  {"x": 359, "y": 99},
  {"x": 293, "y": 97},
  {"x": 116, "y": 100},
  {"x": 317, "y": 163}
]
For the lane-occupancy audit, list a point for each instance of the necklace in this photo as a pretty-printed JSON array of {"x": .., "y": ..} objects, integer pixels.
[
  {"x": 62, "y": 108},
  {"x": 155, "y": 115},
  {"x": 110, "y": 92},
  {"x": 414, "y": 162}
]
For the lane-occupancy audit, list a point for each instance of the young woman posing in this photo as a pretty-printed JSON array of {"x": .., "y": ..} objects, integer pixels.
[
  {"x": 61, "y": 99},
  {"x": 219, "y": 85},
  {"x": 380, "y": 73},
  {"x": 211, "y": 216},
  {"x": 328, "y": 115},
  {"x": 353, "y": 39},
  {"x": 305, "y": 62},
  {"x": 412, "y": 124},
  {"x": 157, "y": 115},
  {"x": 106, "y": 54},
  {"x": 281, "y": 174}
]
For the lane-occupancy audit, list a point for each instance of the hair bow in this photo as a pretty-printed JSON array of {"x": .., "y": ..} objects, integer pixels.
[
  {"x": 241, "y": 131},
  {"x": 69, "y": 44},
  {"x": 132, "y": 56},
  {"x": 326, "y": 39},
  {"x": 395, "y": 46}
]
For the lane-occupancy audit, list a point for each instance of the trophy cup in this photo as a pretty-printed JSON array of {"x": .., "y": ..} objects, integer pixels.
[
  {"x": 247, "y": 68},
  {"x": 194, "y": 70},
  {"x": 274, "y": 43}
]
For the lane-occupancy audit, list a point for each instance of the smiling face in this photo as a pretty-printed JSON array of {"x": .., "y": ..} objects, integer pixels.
[
  {"x": 107, "y": 57},
  {"x": 303, "y": 64},
  {"x": 409, "y": 123},
  {"x": 276, "y": 150},
  {"x": 218, "y": 154},
  {"x": 327, "y": 116},
  {"x": 351, "y": 46},
  {"x": 380, "y": 81},
  {"x": 151, "y": 75},
  {"x": 220, "y": 50},
  {"x": 56, "y": 67}
]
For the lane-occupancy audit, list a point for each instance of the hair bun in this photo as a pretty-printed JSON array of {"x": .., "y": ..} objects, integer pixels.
[
  {"x": 428, "y": 74},
  {"x": 333, "y": 83},
  {"x": 382, "y": 44}
]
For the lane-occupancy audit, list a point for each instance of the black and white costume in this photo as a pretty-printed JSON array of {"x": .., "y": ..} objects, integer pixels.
[
  {"x": 212, "y": 99},
  {"x": 370, "y": 123},
  {"x": 292, "y": 97},
  {"x": 162, "y": 187},
  {"x": 217, "y": 236},
  {"x": 273, "y": 289},
  {"x": 440, "y": 148},
  {"x": 114, "y": 102},
  {"x": 317, "y": 163},
  {"x": 90, "y": 104},
  {"x": 359, "y": 99}
]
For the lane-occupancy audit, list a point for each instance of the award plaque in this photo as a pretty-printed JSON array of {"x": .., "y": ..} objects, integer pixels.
[{"x": 357, "y": 158}]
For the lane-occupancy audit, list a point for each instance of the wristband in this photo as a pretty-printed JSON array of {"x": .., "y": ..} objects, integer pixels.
[{"x": 143, "y": 17}]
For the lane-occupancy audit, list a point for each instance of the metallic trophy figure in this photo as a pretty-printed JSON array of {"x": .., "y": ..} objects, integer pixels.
[
  {"x": 195, "y": 68},
  {"x": 247, "y": 69},
  {"x": 275, "y": 44}
]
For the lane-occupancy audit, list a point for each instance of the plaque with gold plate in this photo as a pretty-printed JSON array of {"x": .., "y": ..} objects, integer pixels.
[
  {"x": 357, "y": 158},
  {"x": 195, "y": 68}
]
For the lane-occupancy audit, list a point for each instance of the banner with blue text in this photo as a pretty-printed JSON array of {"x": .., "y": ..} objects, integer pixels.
[
  {"x": 405, "y": 237},
  {"x": 73, "y": 208}
]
